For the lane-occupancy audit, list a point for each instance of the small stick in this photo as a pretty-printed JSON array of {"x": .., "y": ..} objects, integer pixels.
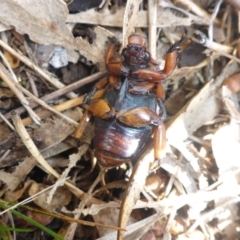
[
  {"x": 87, "y": 197},
  {"x": 60, "y": 107},
  {"x": 53, "y": 80},
  {"x": 7, "y": 78},
  {"x": 152, "y": 16},
  {"x": 30, "y": 145},
  {"x": 42, "y": 103},
  {"x": 60, "y": 92}
]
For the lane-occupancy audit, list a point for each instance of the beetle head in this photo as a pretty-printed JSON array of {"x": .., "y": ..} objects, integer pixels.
[
  {"x": 136, "y": 39},
  {"x": 136, "y": 55}
]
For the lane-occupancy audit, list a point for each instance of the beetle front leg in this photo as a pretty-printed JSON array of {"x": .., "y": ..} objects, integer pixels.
[
  {"x": 172, "y": 56},
  {"x": 113, "y": 66},
  {"x": 157, "y": 76},
  {"x": 170, "y": 64},
  {"x": 115, "y": 82}
]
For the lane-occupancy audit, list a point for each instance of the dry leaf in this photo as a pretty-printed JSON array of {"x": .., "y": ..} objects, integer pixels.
[
  {"x": 166, "y": 18},
  {"x": 226, "y": 150},
  {"x": 13, "y": 196},
  {"x": 53, "y": 137},
  {"x": 135, "y": 186},
  {"x": 130, "y": 19},
  {"x": 44, "y": 22},
  {"x": 39, "y": 217},
  {"x": 21, "y": 171},
  {"x": 61, "y": 197},
  {"x": 205, "y": 105},
  {"x": 226, "y": 141}
]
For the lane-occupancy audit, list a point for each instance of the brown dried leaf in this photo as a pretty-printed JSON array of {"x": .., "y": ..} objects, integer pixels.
[
  {"x": 9, "y": 179},
  {"x": 135, "y": 186},
  {"x": 205, "y": 105},
  {"x": 44, "y": 22},
  {"x": 14, "y": 196},
  {"x": 14, "y": 179},
  {"x": 54, "y": 136},
  {"x": 226, "y": 141},
  {"x": 39, "y": 217},
  {"x": 166, "y": 18},
  {"x": 61, "y": 197}
]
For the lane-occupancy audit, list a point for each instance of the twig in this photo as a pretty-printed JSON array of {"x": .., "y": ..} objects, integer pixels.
[
  {"x": 7, "y": 122},
  {"x": 59, "y": 108},
  {"x": 210, "y": 214},
  {"x": 210, "y": 34},
  {"x": 54, "y": 81},
  {"x": 7, "y": 78},
  {"x": 60, "y": 92},
  {"x": 73, "y": 226},
  {"x": 72, "y": 163},
  {"x": 40, "y": 159},
  {"x": 42, "y": 103},
  {"x": 32, "y": 84},
  {"x": 152, "y": 17}
]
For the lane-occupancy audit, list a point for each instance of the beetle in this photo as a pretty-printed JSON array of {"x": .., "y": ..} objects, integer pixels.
[{"x": 131, "y": 109}]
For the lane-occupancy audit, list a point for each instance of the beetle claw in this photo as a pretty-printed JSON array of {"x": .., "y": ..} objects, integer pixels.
[
  {"x": 114, "y": 41},
  {"x": 176, "y": 46}
]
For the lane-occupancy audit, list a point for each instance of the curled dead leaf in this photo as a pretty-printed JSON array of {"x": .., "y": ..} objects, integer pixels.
[
  {"x": 12, "y": 60},
  {"x": 60, "y": 198}
]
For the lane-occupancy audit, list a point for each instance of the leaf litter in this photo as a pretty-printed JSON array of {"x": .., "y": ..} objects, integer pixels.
[{"x": 193, "y": 193}]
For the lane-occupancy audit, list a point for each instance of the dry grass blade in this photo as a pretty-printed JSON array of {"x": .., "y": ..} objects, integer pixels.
[
  {"x": 35, "y": 152},
  {"x": 54, "y": 81},
  {"x": 85, "y": 200},
  {"x": 135, "y": 186},
  {"x": 130, "y": 19},
  {"x": 12, "y": 85},
  {"x": 42, "y": 103},
  {"x": 60, "y": 92}
]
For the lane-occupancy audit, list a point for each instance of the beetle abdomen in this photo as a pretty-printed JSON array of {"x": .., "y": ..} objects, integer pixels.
[{"x": 114, "y": 142}]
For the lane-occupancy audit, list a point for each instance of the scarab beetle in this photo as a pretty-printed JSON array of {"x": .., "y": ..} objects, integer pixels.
[{"x": 131, "y": 109}]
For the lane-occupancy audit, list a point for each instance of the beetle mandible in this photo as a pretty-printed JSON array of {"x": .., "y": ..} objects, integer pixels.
[{"x": 128, "y": 113}]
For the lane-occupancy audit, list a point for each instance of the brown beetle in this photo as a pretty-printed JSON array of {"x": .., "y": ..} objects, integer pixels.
[{"x": 128, "y": 113}]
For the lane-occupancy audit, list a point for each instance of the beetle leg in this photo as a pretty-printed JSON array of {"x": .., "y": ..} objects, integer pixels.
[
  {"x": 157, "y": 76},
  {"x": 162, "y": 109},
  {"x": 138, "y": 117},
  {"x": 160, "y": 92},
  {"x": 141, "y": 88},
  {"x": 98, "y": 108},
  {"x": 83, "y": 124},
  {"x": 99, "y": 85},
  {"x": 159, "y": 140},
  {"x": 115, "y": 82},
  {"x": 170, "y": 64},
  {"x": 173, "y": 55},
  {"x": 112, "y": 65}
]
